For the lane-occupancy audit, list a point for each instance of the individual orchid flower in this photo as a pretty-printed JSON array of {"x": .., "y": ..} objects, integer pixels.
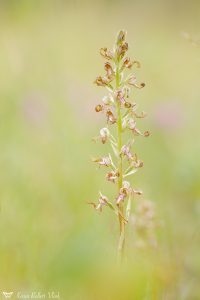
[
  {"x": 112, "y": 176},
  {"x": 104, "y": 134},
  {"x": 103, "y": 161}
]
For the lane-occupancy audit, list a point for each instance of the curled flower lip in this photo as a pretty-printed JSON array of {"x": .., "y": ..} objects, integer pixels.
[
  {"x": 131, "y": 80},
  {"x": 136, "y": 131}
]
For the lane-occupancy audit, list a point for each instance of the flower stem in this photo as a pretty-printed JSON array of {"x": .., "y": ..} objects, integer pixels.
[{"x": 121, "y": 242}]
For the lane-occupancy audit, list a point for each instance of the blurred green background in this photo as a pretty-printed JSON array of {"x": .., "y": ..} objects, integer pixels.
[{"x": 51, "y": 240}]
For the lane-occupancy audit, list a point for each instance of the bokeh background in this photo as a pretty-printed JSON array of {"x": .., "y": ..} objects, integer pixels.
[{"x": 50, "y": 239}]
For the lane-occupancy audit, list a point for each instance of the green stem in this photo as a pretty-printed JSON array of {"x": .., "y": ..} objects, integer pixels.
[{"x": 120, "y": 168}]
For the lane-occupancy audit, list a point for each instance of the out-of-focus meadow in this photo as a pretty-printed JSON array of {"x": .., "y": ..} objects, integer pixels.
[{"x": 50, "y": 239}]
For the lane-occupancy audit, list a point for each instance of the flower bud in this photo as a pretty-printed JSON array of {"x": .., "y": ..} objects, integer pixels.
[
  {"x": 104, "y": 161},
  {"x": 101, "y": 81},
  {"x": 104, "y": 134},
  {"x": 125, "y": 150},
  {"x": 98, "y": 108},
  {"x": 124, "y": 123},
  {"x": 112, "y": 176},
  {"x": 127, "y": 63},
  {"x": 141, "y": 115},
  {"x": 146, "y": 133},
  {"x": 137, "y": 164},
  {"x": 122, "y": 49},
  {"x": 110, "y": 117},
  {"x": 109, "y": 69},
  {"x": 126, "y": 185},
  {"x": 127, "y": 105},
  {"x": 120, "y": 198},
  {"x": 131, "y": 124},
  {"x": 107, "y": 100},
  {"x": 106, "y": 53},
  {"x": 120, "y": 97},
  {"x": 121, "y": 37}
]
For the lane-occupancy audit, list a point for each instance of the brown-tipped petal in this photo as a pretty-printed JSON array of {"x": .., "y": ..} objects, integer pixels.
[
  {"x": 139, "y": 86},
  {"x": 136, "y": 131},
  {"x": 137, "y": 192}
]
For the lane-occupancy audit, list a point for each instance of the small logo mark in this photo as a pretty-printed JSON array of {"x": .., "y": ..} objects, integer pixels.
[{"x": 7, "y": 294}]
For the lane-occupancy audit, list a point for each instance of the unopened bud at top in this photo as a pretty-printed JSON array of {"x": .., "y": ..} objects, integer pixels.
[{"x": 121, "y": 37}]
